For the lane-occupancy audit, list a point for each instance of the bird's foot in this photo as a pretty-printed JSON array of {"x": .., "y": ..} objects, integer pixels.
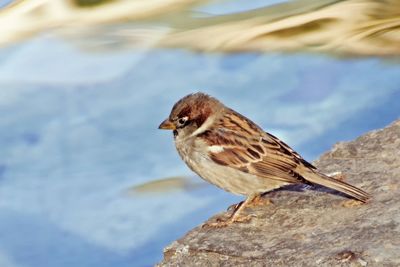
[
  {"x": 237, "y": 210},
  {"x": 259, "y": 201},
  {"x": 232, "y": 208},
  {"x": 256, "y": 201},
  {"x": 220, "y": 223}
]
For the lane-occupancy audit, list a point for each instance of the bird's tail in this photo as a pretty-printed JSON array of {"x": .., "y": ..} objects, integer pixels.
[{"x": 324, "y": 180}]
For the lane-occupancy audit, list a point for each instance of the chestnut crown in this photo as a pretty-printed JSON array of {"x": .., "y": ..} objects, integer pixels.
[{"x": 193, "y": 109}]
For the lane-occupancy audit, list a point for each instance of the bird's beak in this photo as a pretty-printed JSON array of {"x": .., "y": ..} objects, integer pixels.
[{"x": 167, "y": 125}]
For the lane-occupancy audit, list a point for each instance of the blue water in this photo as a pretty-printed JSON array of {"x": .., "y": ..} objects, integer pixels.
[{"x": 78, "y": 129}]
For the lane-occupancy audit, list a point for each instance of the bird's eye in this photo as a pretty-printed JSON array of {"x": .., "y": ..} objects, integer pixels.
[{"x": 182, "y": 121}]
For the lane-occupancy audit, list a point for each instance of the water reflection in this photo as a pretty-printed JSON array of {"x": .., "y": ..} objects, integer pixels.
[
  {"x": 346, "y": 27},
  {"x": 79, "y": 126},
  {"x": 71, "y": 149}
]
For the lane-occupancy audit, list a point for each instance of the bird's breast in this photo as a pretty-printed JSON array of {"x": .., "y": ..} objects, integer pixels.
[{"x": 195, "y": 155}]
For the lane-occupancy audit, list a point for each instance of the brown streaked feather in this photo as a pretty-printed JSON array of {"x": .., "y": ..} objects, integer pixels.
[
  {"x": 251, "y": 150},
  {"x": 274, "y": 141},
  {"x": 264, "y": 155},
  {"x": 242, "y": 160}
]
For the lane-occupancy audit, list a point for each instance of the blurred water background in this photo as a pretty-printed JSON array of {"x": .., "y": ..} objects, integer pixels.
[{"x": 84, "y": 85}]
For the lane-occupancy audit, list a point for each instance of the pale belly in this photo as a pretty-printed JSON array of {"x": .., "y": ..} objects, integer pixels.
[{"x": 227, "y": 178}]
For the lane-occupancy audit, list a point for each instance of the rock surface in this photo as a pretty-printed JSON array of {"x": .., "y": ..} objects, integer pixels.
[{"x": 314, "y": 227}]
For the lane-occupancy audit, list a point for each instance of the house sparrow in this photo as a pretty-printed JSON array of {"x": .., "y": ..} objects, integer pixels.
[{"x": 232, "y": 152}]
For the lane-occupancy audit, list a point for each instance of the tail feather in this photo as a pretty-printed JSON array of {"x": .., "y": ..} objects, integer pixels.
[{"x": 324, "y": 180}]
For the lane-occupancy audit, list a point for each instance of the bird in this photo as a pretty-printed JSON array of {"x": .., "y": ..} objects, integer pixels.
[{"x": 232, "y": 152}]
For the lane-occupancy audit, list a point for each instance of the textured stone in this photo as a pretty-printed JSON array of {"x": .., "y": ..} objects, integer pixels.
[{"x": 314, "y": 226}]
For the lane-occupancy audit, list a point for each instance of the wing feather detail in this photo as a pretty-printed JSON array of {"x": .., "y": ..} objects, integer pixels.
[{"x": 262, "y": 154}]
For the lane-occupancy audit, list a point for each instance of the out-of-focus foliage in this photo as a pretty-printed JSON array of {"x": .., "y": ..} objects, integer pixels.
[{"x": 351, "y": 27}]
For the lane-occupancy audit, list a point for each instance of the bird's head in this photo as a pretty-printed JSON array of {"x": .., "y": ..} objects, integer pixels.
[{"x": 190, "y": 113}]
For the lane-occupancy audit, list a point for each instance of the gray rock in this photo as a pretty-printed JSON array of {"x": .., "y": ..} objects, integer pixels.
[{"x": 317, "y": 226}]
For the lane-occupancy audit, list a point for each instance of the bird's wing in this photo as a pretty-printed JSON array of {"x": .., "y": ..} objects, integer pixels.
[{"x": 242, "y": 145}]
